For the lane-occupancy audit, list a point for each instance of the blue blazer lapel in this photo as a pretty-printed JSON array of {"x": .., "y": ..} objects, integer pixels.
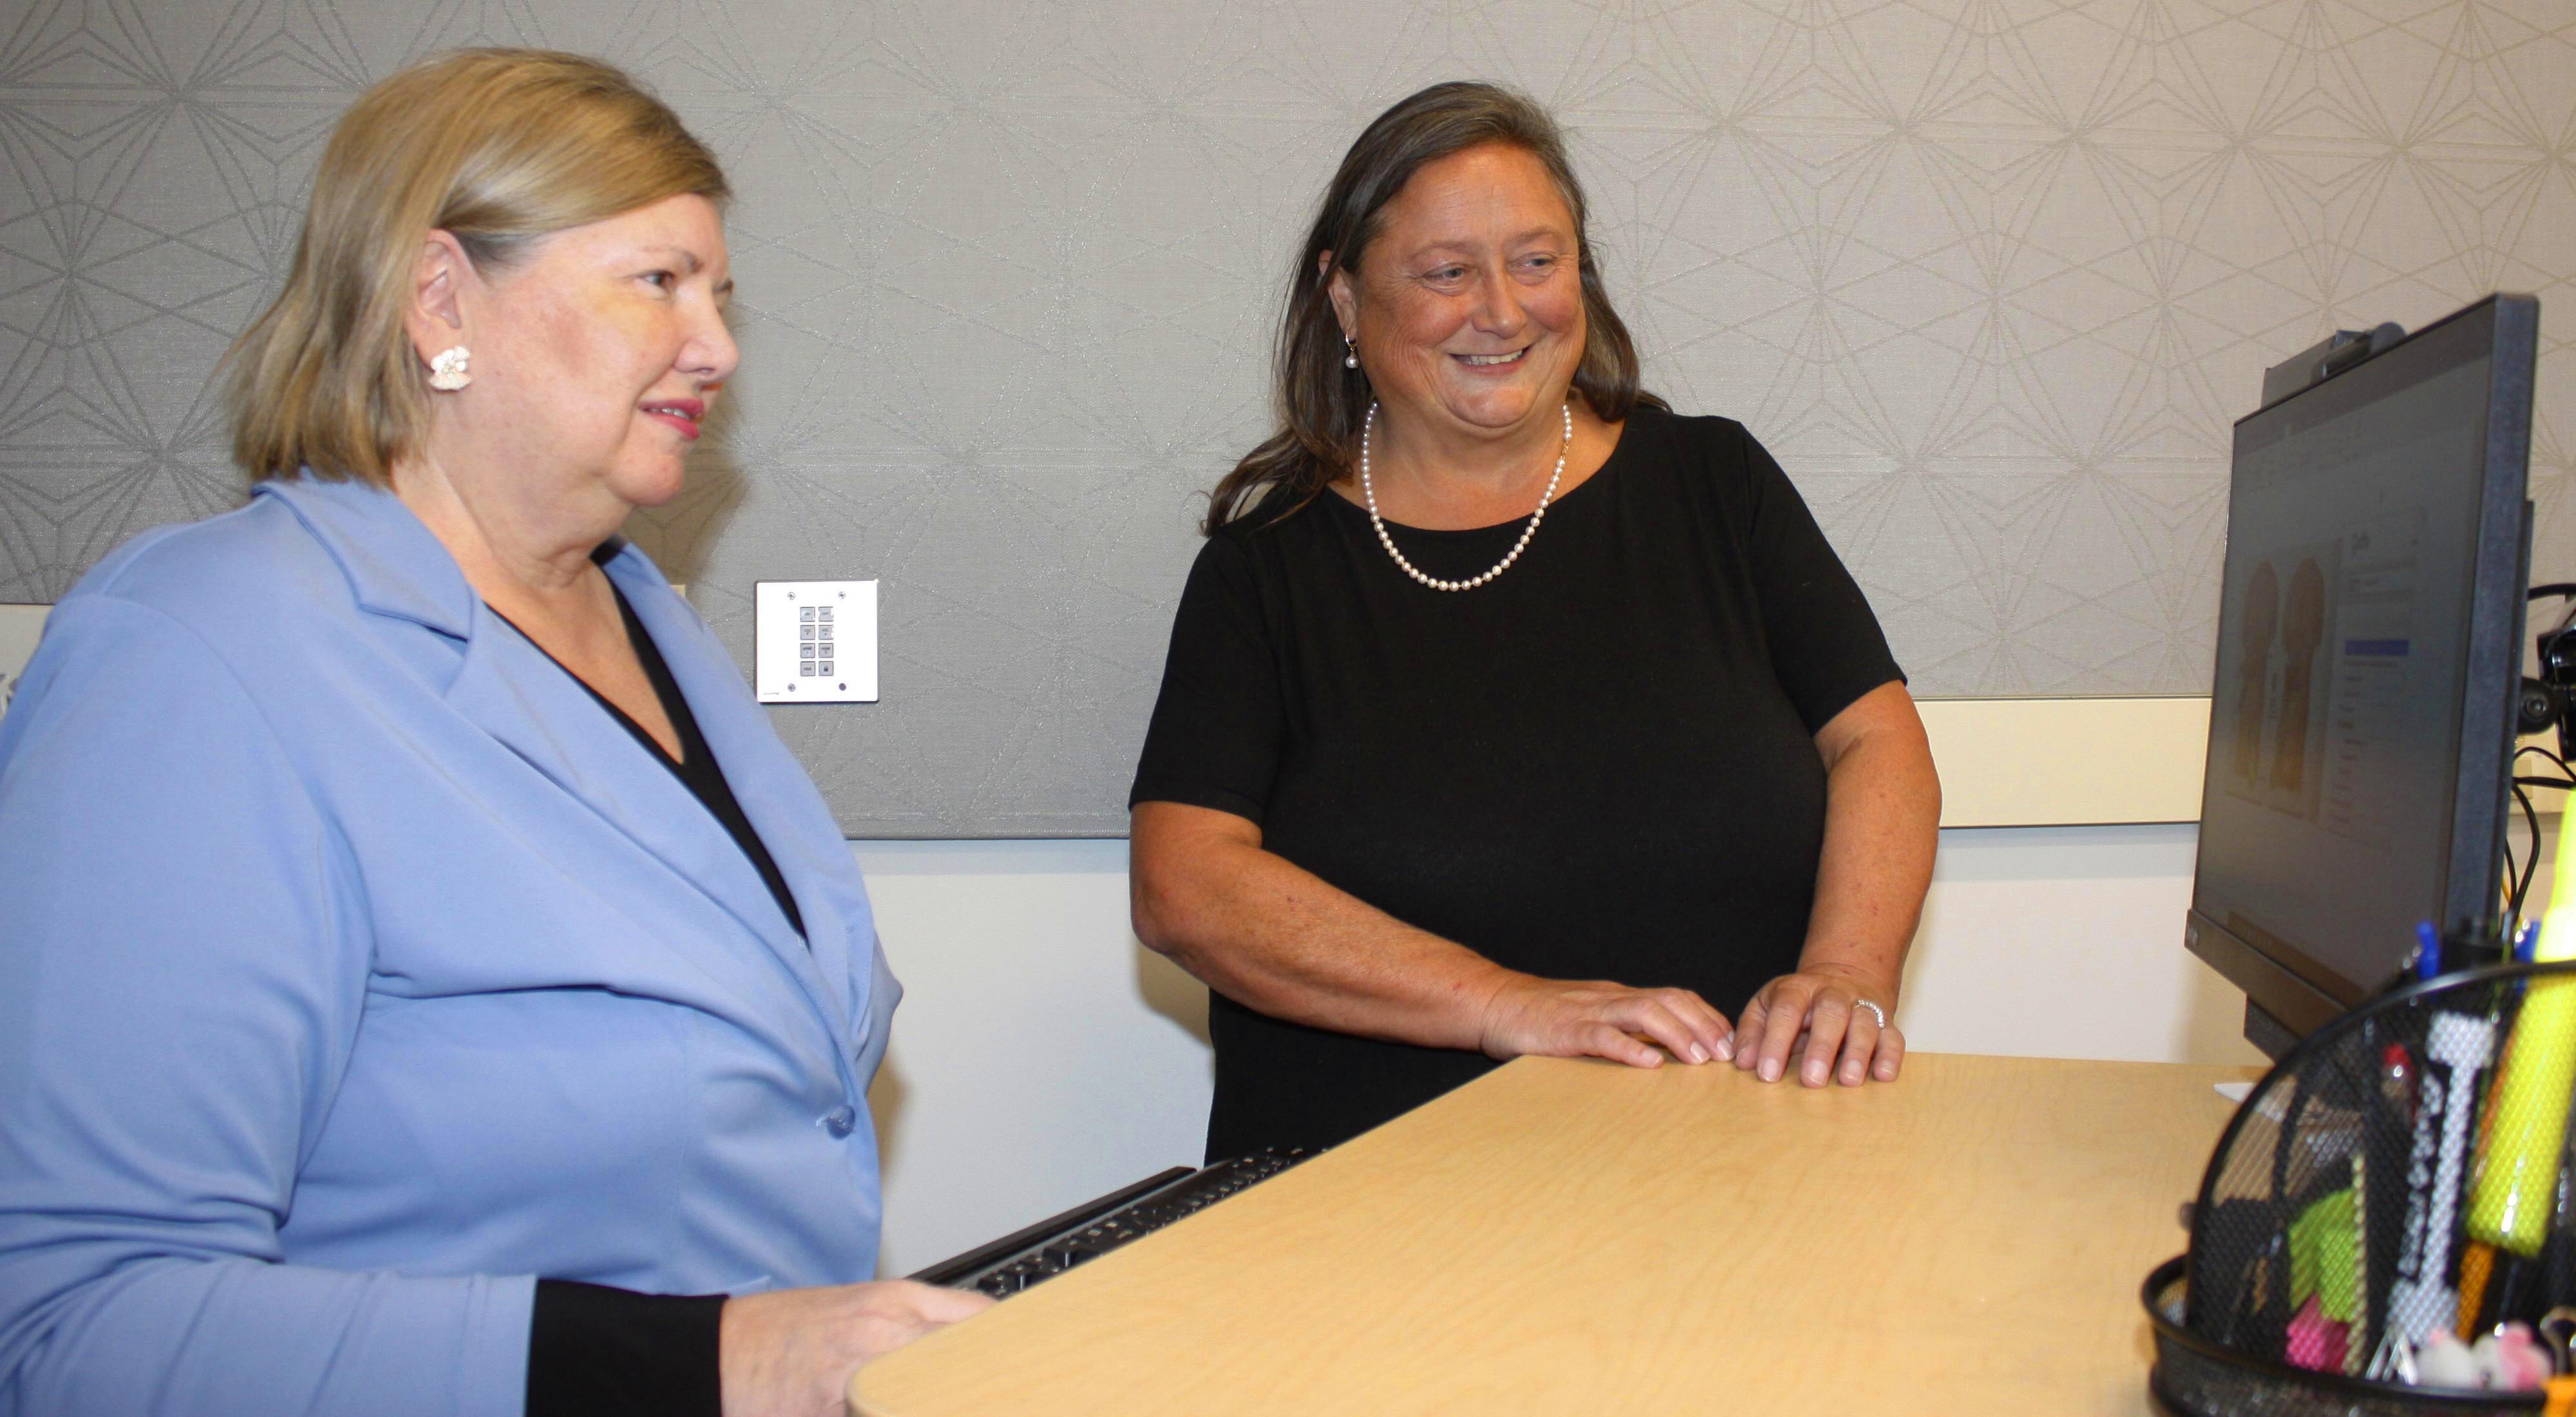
[
  {"x": 530, "y": 705},
  {"x": 510, "y": 689},
  {"x": 776, "y": 796}
]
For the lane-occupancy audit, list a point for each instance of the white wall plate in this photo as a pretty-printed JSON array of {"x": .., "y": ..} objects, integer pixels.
[{"x": 814, "y": 642}]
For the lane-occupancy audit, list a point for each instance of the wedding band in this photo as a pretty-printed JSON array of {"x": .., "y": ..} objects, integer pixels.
[{"x": 1874, "y": 1011}]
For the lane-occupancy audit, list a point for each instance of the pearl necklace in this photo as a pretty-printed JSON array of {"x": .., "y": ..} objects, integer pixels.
[{"x": 1368, "y": 491}]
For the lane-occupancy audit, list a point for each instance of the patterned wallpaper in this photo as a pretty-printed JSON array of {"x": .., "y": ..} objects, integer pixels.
[{"x": 1991, "y": 276}]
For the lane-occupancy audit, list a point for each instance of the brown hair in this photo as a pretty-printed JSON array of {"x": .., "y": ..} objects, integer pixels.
[
  {"x": 1321, "y": 402},
  {"x": 497, "y": 147}
]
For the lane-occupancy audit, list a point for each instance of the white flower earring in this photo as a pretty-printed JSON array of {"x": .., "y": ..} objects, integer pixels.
[
  {"x": 447, "y": 369},
  {"x": 1350, "y": 353}
]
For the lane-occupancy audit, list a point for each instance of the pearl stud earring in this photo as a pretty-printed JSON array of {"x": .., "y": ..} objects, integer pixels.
[
  {"x": 447, "y": 369},
  {"x": 1350, "y": 354}
]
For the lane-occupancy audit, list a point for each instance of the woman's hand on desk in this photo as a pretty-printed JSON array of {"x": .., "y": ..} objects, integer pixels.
[
  {"x": 1882, "y": 824},
  {"x": 1813, "y": 1015},
  {"x": 790, "y": 1353},
  {"x": 1565, "y": 1018}
]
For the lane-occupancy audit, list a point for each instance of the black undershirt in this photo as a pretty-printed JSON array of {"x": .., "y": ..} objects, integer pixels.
[
  {"x": 594, "y": 1351},
  {"x": 1599, "y": 765}
]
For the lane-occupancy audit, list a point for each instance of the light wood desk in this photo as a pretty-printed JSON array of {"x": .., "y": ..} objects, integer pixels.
[{"x": 1574, "y": 1237}]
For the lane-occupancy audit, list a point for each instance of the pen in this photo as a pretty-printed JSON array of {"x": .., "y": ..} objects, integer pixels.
[
  {"x": 2455, "y": 1052},
  {"x": 2477, "y": 1266},
  {"x": 2428, "y": 950}
]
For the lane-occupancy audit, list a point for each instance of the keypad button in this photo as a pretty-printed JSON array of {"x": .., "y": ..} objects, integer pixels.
[
  {"x": 823, "y": 666},
  {"x": 805, "y": 613},
  {"x": 808, "y": 632},
  {"x": 824, "y": 614},
  {"x": 805, "y": 670},
  {"x": 808, "y": 651}
]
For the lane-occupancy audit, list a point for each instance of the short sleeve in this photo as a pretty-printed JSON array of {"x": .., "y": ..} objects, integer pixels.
[
  {"x": 1825, "y": 642},
  {"x": 1219, "y": 721}
]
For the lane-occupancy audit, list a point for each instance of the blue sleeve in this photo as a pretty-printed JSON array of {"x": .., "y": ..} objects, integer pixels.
[{"x": 183, "y": 972}]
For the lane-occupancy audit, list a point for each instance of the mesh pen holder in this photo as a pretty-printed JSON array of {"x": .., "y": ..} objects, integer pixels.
[{"x": 2403, "y": 1163}]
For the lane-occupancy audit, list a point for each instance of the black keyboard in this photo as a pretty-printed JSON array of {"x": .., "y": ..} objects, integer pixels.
[{"x": 1088, "y": 1231}]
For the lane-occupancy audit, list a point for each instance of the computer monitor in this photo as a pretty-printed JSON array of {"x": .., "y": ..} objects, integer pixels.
[{"x": 2369, "y": 655}]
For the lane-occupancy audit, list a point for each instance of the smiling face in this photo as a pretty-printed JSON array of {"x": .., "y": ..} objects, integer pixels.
[
  {"x": 1467, "y": 307},
  {"x": 596, "y": 356}
]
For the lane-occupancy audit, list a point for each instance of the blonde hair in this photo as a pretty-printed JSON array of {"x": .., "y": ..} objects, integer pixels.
[{"x": 498, "y": 147}]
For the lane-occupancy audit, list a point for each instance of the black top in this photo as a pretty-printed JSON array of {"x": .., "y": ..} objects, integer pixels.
[
  {"x": 1599, "y": 765},
  {"x": 697, "y": 767},
  {"x": 593, "y": 1349}
]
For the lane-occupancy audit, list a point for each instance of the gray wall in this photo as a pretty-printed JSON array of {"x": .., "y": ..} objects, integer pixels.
[{"x": 1993, "y": 288}]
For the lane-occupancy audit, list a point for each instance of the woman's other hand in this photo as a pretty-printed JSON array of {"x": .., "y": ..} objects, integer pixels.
[
  {"x": 790, "y": 1353},
  {"x": 1597, "y": 1019},
  {"x": 1818, "y": 1016},
  {"x": 1882, "y": 822}
]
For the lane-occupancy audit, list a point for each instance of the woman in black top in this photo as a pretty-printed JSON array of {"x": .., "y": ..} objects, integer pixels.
[{"x": 1498, "y": 682}]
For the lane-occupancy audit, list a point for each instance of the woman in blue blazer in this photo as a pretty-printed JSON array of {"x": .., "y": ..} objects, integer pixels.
[{"x": 421, "y": 967}]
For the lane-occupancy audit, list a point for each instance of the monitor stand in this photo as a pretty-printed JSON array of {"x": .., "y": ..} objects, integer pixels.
[{"x": 2266, "y": 1032}]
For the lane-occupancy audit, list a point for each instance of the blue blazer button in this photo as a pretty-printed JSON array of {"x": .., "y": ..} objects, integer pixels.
[{"x": 841, "y": 1120}]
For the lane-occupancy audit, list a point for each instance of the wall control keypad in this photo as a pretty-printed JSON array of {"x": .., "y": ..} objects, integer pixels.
[{"x": 814, "y": 641}]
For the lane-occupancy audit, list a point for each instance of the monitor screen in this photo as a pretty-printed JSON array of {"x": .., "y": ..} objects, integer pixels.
[{"x": 2369, "y": 625}]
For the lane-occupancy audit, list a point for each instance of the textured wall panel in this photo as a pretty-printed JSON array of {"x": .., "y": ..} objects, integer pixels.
[{"x": 1991, "y": 276}]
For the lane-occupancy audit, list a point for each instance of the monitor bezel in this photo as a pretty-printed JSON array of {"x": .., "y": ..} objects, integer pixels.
[{"x": 2299, "y": 992}]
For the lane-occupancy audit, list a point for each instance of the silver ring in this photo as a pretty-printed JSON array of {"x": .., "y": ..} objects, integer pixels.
[{"x": 1874, "y": 1011}]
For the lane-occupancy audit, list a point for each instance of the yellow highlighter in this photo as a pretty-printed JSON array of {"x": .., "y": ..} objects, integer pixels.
[{"x": 2517, "y": 1187}]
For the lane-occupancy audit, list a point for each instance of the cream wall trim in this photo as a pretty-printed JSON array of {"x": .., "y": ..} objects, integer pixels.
[
  {"x": 2068, "y": 762},
  {"x": 20, "y": 627},
  {"x": 2547, "y": 801}
]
